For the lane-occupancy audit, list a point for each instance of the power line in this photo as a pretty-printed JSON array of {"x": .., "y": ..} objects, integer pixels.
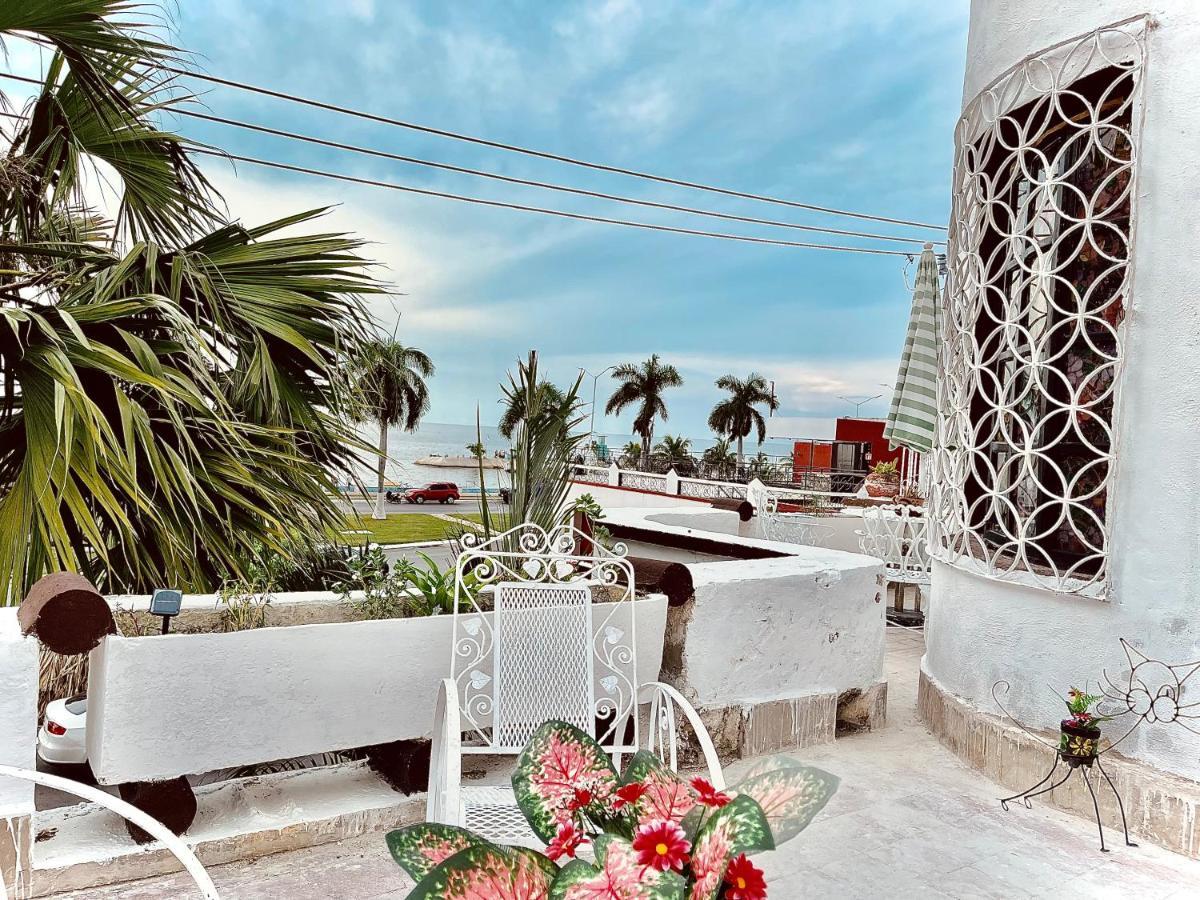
[
  {"x": 371, "y": 182},
  {"x": 541, "y": 154},
  {"x": 526, "y": 208},
  {"x": 291, "y": 135}
]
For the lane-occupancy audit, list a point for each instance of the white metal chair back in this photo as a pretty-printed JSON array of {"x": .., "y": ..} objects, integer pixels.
[
  {"x": 794, "y": 527},
  {"x": 543, "y": 659},
  {"x": 558, "y": 642},
  {"x": 899, "y": 536}
]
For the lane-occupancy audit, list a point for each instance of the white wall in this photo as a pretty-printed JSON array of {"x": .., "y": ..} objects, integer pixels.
[
  {"x": 981, "y": 630},
  {"x": 764, "y": 629},
  {"x": 172, "y": 705},
  {"x": 18, "y": 711}
]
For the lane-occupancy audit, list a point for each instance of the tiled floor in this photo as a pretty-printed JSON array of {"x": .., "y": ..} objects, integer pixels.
[{"x": 909, "y": 820}]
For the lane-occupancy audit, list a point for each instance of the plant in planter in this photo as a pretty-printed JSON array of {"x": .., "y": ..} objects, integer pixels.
[
  {"x": 884, "y": 480},
  {"x": 652, "y": 833},
  {"x": 1080, "y": 733}
]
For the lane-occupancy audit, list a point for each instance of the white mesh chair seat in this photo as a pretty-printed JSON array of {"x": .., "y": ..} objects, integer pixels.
[
  {"x": 492, "y": 812},
  {"x": 899, "y": 537}
]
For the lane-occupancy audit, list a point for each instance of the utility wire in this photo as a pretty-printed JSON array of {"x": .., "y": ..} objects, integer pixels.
[
  {"x": 539, "y": 209},
  {"x": 291, "y": 135},
  {"x": 523, "y": 207},
  {"x": 541, "y": 154}
]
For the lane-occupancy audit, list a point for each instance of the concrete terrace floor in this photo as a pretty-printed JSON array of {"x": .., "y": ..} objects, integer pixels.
[{"x": 909, "y": 820}]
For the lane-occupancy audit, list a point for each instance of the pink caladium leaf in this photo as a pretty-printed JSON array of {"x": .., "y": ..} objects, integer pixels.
[
  {"x": 487, "y": 872},
  {"x": 668, "y": 797},
  {"x": 419, "y": 849},
  {"x": 558, "y": 761},
  {"x": 789, "y": 793},
  {"x": 616, "y": 876},
  {"x": 737, "y": 827}
]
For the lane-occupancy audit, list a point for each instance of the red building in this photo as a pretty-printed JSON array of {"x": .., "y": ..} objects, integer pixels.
[{"x": 857, "y": 445}]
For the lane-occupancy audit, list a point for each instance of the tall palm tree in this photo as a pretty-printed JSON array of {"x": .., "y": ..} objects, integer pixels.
[
  {"x": 394, "y": 394},
  {"x": 643, "y": 386},
  {"x": 736, "y": 415},
  {"x": 174, "y": 395},
  {"x": 550, "y": 402}
]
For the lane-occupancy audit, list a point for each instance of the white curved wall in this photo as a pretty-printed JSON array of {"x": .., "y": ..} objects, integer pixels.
[{"x": 981, "y": 630}]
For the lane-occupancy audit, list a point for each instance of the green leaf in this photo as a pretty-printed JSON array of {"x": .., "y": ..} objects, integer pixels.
[
  {"x": 617, "y": 875},
  {"x": 486, "y": 871},
  {"x": 419, "y": 849},
  {"x": 558, "y": 760},
  {"x": 738, "y": 827},
  {"x": 790, "y": 795}
]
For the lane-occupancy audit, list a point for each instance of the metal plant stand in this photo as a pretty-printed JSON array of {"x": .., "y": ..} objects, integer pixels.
[{"x": 1081, "y": 765}]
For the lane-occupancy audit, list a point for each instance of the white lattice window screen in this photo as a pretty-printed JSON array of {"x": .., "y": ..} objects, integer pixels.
[{"x": 1038, "y": 289}]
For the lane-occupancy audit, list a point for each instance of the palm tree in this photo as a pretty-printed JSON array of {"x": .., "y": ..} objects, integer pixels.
[
  {"x": 174, "y": 394},
  {"x": 391, "y": 380},
  {"x": 550, "y": 402},
  {"x": 720, "y": 457},
  {"x": 543, "y": 445},
  {"x": 676, "y": 452},
  {"x": 736, "y": 415},
  {"x": 630, "y": 454},
  {"x": 643, "y": 386}
]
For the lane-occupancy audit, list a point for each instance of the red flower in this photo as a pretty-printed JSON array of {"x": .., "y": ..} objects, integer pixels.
[
  {"x": 661, "y": 845},
  {"x": 709, "y": 795},
  {"x": 566, "y": 842},
  {"x": 744, "y": 881},
  {"x": 629, "y": 794},
  {"x": 582, "y": 798}
]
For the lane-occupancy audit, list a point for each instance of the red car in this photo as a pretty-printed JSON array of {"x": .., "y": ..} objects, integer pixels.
[{"x": 441, "y": 491}]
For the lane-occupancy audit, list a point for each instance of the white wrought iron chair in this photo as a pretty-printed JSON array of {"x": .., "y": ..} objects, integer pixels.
[
  {"x": 559, "y": 643},
  {"x": 793, "y": 527},
  {"x": 898, "y": 535}
]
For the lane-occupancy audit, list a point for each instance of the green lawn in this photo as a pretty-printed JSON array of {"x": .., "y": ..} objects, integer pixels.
[{"x": 404, "y": 528}]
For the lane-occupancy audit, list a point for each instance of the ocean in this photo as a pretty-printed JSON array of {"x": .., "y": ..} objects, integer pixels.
[{"x": 433, "y": 438}]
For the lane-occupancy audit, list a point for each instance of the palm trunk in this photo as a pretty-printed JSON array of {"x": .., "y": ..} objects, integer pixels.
[
  {"x": 647, "y": 437},
  {"x": 382, "y": 461},
  {"x": 739, "y": 454}
]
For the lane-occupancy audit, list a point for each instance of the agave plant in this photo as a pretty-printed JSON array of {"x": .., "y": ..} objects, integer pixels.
[
  {"x": 173, "y": 395},
  {"x": 653, "y": 834}
]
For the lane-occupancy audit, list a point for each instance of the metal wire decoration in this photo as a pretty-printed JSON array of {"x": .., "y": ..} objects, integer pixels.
[
  {"x": 1041, "y": 235},
  {"x": 1152, "y": 693},
  {"x": 507, "y": 661}
]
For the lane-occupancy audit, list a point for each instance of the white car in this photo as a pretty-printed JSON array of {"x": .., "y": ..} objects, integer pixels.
[{"x": 62, "y": 739}]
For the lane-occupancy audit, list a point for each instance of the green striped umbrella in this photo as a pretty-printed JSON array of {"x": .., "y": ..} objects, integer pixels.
[{"x": 913, "y": 414}]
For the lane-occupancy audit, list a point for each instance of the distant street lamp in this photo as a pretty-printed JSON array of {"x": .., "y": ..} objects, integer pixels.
[
  {"x": 595, "y": 382},
  {"x": 859, "y": 402}
]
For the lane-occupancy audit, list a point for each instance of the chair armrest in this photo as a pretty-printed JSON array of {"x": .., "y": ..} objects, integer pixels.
[
  {"x": 442, "y": 802},
  {"x": 665, "y": 701}
]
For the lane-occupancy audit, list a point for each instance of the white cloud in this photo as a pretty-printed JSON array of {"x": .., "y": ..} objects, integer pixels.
[
  {"x": 361, "y": 9},
  {"x": 644, "y": 107}
]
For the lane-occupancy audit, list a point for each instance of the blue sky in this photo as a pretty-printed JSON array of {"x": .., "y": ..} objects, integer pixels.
[{"x": 849, "y": 105}]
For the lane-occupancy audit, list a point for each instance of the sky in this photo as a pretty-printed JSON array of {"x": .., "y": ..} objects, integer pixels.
[{"x": 849, "y": 105}]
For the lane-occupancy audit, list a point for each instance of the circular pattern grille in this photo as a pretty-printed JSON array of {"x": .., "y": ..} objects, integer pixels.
[{"x": 1039, "y": 251}]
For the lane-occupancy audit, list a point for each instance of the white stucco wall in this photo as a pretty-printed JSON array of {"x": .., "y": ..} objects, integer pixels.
[
  {"x": 18, "y": 711},
  {"x": 981, "y": 630},
  {"x": 765, "y": 629},
  {"x": 163, "y": 706}
]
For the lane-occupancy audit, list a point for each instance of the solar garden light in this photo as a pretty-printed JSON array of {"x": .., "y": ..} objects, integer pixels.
[{"x": 165, "y": 602}]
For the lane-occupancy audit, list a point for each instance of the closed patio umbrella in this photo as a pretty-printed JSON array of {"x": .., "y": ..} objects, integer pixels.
[{"x": 913, "y": 414}]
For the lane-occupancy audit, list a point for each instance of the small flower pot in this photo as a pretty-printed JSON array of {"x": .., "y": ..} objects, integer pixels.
[
  {"x": 1078, "y": 745},
  {"x": 881, "y": 486}
]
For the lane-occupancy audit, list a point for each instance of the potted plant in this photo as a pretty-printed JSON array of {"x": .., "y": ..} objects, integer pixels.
[
  {"x": 1079, "y": 742},
  {"x": 649, "y": 833},
  {"x": 884, "y": 480}
]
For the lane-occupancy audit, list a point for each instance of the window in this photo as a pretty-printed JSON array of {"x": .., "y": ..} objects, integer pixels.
[{"x": 1040, "y": 243}]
